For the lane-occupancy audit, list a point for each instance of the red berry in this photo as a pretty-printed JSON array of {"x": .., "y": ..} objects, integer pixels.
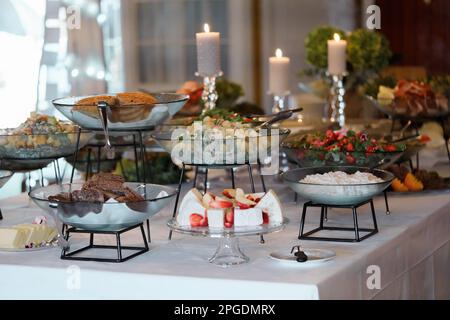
[
  {"x": 229, "y": 216},
  {"x": 350, "y": 147},
  {"x": 197, "y": 220},
  {"x": 265, "y": 217},
  {"x": 390, "y": 148},
  {"x": 350, "y": 159}
]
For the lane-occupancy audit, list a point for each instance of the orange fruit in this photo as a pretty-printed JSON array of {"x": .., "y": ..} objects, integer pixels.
[
  {"x": 398, "y": 186},
  {"x": 412, "y": 183}
]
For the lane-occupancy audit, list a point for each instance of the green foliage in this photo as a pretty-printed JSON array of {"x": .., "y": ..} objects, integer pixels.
[
  {"x": 316, "y": 45},
  {"x": 372, "y": 86},
  {"x": 159, "y": 169},
  {"x": 229, "y": 92},
  {"x": 368, "y": 50},
  {"x": 440, "y": 84}
]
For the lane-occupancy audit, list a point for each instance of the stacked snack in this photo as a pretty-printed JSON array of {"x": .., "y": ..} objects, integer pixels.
[
  {"x": 123, "y": 106},
  {"x": 101, "y": 188},
  {"x": 233, "y": 209}
]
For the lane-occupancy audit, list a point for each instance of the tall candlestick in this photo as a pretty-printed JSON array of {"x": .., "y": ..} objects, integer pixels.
[
  {"x": 279, "y": 74},
  {"x": 337, "y": 57},
  {"x": 208, "y": 52}
]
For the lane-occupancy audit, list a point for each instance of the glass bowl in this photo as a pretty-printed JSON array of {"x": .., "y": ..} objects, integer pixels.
[
  {"x": 109, "y": 216},
  {"x": 23, "y": 165},
  {"x": 209, "y": 150},
  {"x": 51, "y": 146},
  {"x": 389, "y": 107},
  {"x": 124, "y": 117},
  {"x": 5, "y": 175},
  {"x": 315, "y": 158},
  {"x": 336, "y": 194}
]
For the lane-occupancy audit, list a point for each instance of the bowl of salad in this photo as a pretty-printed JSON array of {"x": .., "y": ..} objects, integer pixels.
[
  {"x": 41, "y": 138},
  {"x": 332, "y": 148},
  {"x": 220, "y": 137}
]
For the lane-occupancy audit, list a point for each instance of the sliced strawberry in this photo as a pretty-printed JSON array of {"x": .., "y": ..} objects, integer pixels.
[
  {"x": 265, "y": 218},
  {"x": 244, "y": 203},
  {"x": 204, "y": 222},
  {"x": 220, "y": 203},
  {"x": 229, "y": 216},
  {"x": 228, "y": 225},
  {"x": 229, "y": 193},
  {"x": 196, "y": 220},
  {"x": 250, "y": 197}
]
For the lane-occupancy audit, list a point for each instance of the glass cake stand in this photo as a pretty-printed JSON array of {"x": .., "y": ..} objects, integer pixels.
[{"x": 228, "y": 252}]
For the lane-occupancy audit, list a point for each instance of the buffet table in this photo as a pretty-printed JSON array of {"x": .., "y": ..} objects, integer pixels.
[{"x": 412, "y": 251}]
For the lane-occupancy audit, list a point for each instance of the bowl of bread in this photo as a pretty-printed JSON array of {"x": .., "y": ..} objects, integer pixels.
[{"x": 123, "y": 111}]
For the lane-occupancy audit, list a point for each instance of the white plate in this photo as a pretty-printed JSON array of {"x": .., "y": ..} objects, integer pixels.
[{"x": 314, "y": 256}]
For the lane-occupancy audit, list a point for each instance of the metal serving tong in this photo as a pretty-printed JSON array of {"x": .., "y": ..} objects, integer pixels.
[
  {"x": 272, "y": 114},
  {"x": 277, "y": 117},
  {"x": 103, "y": 112}
]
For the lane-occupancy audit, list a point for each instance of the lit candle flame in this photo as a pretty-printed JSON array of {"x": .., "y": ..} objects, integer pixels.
[
  {"x": 206, "y": 27},
  {"x": 337, "y": 37},
  {"x": 278, "y": 53}
]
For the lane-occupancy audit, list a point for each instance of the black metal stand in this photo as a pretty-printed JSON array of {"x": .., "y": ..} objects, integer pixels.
[
  {"x": 119, "y": 247},
  {"x": 140, "y": 144},
  {"x": 1, "y": 216},
  {"x": 209, "y": 167},
  {"x": 135, "y": 144},
  {"x": 356, "y": 229}
]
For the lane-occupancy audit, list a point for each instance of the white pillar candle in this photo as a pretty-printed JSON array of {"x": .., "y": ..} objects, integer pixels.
[
  {"x": 279, "y": 74},
  {"x": 337, "y": 57},
  {"x": 208, "y": 52}
]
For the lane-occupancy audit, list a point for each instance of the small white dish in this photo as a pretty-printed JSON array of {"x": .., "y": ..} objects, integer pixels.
[{"x": 315, "y": 256}]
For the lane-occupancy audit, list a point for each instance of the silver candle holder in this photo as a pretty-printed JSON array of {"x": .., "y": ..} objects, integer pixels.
[
  {"x": 279, "y": 101},
  {"x": 336, "y": 99},
  {"x": 209, "y": 95},
  {"x": 280, "y": 104}
]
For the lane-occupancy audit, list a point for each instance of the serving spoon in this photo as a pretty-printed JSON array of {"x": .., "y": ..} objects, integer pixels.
[{"x": 102, "y": 109}]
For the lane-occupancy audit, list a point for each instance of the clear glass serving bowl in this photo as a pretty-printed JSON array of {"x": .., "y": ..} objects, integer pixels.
[
  {"x": 4, "y": 177},
  {"x": 40, "y": 146},
  {"x": 388, "y": 107},
  {"x": 336, "y": 194},
  {"x": 208, "y": 150},
  {"x": 109, "y": 216},
  {"x": 314, "y": 158},
  {"x": 124, "y": 117}
]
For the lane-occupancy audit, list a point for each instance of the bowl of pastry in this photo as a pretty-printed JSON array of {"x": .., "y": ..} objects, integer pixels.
[
  {"x": 105, "y": 202},
  {"x": 37, "y": 141},
  {"x": 338, "y": 185},
  {"x": 122, "y": 111}
]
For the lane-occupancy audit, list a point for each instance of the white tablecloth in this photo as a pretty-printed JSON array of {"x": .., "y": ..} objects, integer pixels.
[{"x": 412, "y": 251}]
